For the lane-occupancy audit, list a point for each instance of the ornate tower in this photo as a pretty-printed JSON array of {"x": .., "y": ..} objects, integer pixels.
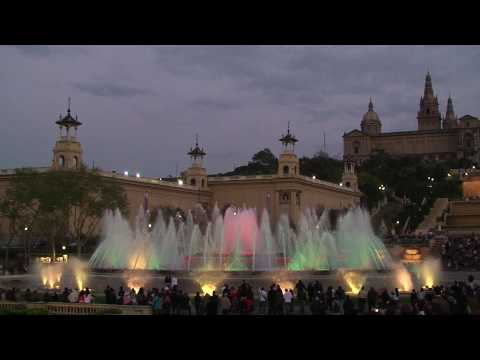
[
  {"x": 450, "y": 120},
  {"x": 428, "y": 116},
  {"x": 67, "y": 152},
  {"x": 196, "y": 175},
  {"x": 349, "y": 177},
  {"x": 371, "y": 124},
  {"x": 288, "y": 163}
]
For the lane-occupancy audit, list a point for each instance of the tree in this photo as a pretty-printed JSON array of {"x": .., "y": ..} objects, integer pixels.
[
  {"x": 322, "y": 167},
  {"x": 19, "y": 206},
  {"x": 60, "y": 204},
  {"x": 87, "y": 202},
  {"x": 263, "y": 163}
]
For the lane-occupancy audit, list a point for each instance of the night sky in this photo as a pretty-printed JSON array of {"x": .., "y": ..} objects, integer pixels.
[{"x": 141, "y": 106}]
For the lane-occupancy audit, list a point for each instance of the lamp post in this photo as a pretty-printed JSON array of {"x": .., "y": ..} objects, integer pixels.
[{"x": 26, "y": 248}]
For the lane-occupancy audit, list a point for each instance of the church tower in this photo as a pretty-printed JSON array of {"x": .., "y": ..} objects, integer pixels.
[
  {"x": 196, "y": 175},
  {"x": 349, "y": 178},
  {"x": 67, "y": 152},
  {"x": 428, "y": 116},
  {"x": 450, "y": 120},
  {"x": 288, "y": 163}
]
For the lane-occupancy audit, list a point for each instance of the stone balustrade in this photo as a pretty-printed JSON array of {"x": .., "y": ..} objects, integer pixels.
[{"x": 78, "y": 309}]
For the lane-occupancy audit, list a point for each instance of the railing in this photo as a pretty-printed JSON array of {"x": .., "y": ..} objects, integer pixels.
[
  {"x": 253, "y": 177},
  {"x": 146, "y": 180},
  {"x": 239, "y": 177},
  {"x": 78, "y": 309},
  {"x": 326, "y": 183},
  {"x": 14, "y": 171}
]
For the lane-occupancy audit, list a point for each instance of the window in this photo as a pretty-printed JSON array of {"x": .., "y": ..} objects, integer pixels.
[
  {"x": 295, "y": 170},
  {"x": 75, "y": 162},
  {"x": 356, "y": 147},
  {"x": 61, "y": 161},
  {"x": 428, "y": 111},
  {"x": 192, "y": 182},
  {"x": 347, "y": 184},
  {"x": 203, "y": 182},
  {"x": 285, "y": 170},
  {"x": 285, "y": 197}
]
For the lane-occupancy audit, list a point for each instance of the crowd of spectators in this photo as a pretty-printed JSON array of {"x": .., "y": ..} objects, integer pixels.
[
  {"x": 302, "y": 299},
  {"x": 461, "y": 253}
]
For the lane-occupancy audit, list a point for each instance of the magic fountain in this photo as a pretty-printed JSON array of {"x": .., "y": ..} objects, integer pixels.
[{"x": 241, "y": 241}]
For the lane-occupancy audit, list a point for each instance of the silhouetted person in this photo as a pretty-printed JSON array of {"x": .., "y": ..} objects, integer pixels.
[
  {"x": 212, "y": 306},
  {"x": 197, "y": 302},
  {"x": 372, "y": 299}
]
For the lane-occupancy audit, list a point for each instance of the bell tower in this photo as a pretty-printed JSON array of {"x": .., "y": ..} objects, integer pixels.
[
  {"x": 67, "y": 152},
  {"x": 428, "y": 116},
  {"x": 349, "y": 178},
  {"x": 196, "y": 175},
  {"x": 288, "y": 163}
]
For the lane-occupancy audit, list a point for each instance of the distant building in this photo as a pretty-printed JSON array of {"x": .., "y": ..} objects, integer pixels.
[
  {"x": 436, "y": 138},
  {"x": 286, "y": 192}
]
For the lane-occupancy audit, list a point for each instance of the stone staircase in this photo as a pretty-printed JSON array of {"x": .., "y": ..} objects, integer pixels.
[
  {"x": 464, "y": 216},
  {"x": 431, "y": 220}
]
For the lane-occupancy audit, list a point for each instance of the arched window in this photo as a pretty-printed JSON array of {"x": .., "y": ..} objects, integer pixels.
[
  {"x": 75, "y": 162},
  {"x": 285, "y": 197},
  {"x": 61, "y": 161},
  {"x": 203, "y": 182},
  {"x": 192, "y": 182},
  {"x": 347, "y": 184},
  {"x": 285, "y": 170},
  {"x": 295, "y": 170}
]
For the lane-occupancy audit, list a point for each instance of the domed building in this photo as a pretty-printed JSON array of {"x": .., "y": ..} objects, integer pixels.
[
  {"x": 371, "y": 124},
  {"x": 435, "y": 139}
]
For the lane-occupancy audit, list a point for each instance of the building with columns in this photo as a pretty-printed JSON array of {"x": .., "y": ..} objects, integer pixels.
[
  {"x": 436, "y": 138},
  {"x": 286, "y": 192}
]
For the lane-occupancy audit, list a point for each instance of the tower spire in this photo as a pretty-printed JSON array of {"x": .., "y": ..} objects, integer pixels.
[
  {"x": 69, "y": 101},
  {"x": 370, "y": 104}
]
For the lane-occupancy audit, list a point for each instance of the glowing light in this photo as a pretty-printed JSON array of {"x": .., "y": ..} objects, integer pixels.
[
  {"x": 208, "y": 288},
  {"x": 51, "y": 275},
  {"x": 150, "y": 226},
  {"x": 26, "y": 228},
  {"x": 136, "y": 283},
  {"x": 314, "y": 177},
  {"x": 64, "y": 247},
  {"x": 397, "y": 222},
  {"x": 404, "y": 279},
  {"x": 449, "y": 175},
  {"x": 125, "y": 173},
  {"x": 137, "y": 261},
  {"x": 180, "y": 182},
  {"x": 354, "y": 281},
  {"x": 466, "y": 174},
  {"x": 235, "y": 213},
  {"x": 341, "y": 184},
  {"x": 473, "y": 167}
]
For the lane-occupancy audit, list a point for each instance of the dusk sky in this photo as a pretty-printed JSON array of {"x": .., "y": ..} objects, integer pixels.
[{"x": 141, "y": 106}]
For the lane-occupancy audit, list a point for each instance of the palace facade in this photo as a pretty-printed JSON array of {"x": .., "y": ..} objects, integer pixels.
[
  {"x": 286, "y": 192},
  {"x": 437, "y": 137}
]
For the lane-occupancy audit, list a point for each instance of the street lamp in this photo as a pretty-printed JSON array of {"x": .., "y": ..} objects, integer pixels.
[
  {"x": 149, "y": 226},
  {"x": 180, "y": 182},
  {"x": 26, "y": 228},
  {"x": 138, "y": 175},
  {"x": 125, "y": 173},
  {"x": 64, "y": 247}
]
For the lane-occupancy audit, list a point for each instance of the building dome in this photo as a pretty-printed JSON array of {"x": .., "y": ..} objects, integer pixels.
[{"x": 371, "y": 122}]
